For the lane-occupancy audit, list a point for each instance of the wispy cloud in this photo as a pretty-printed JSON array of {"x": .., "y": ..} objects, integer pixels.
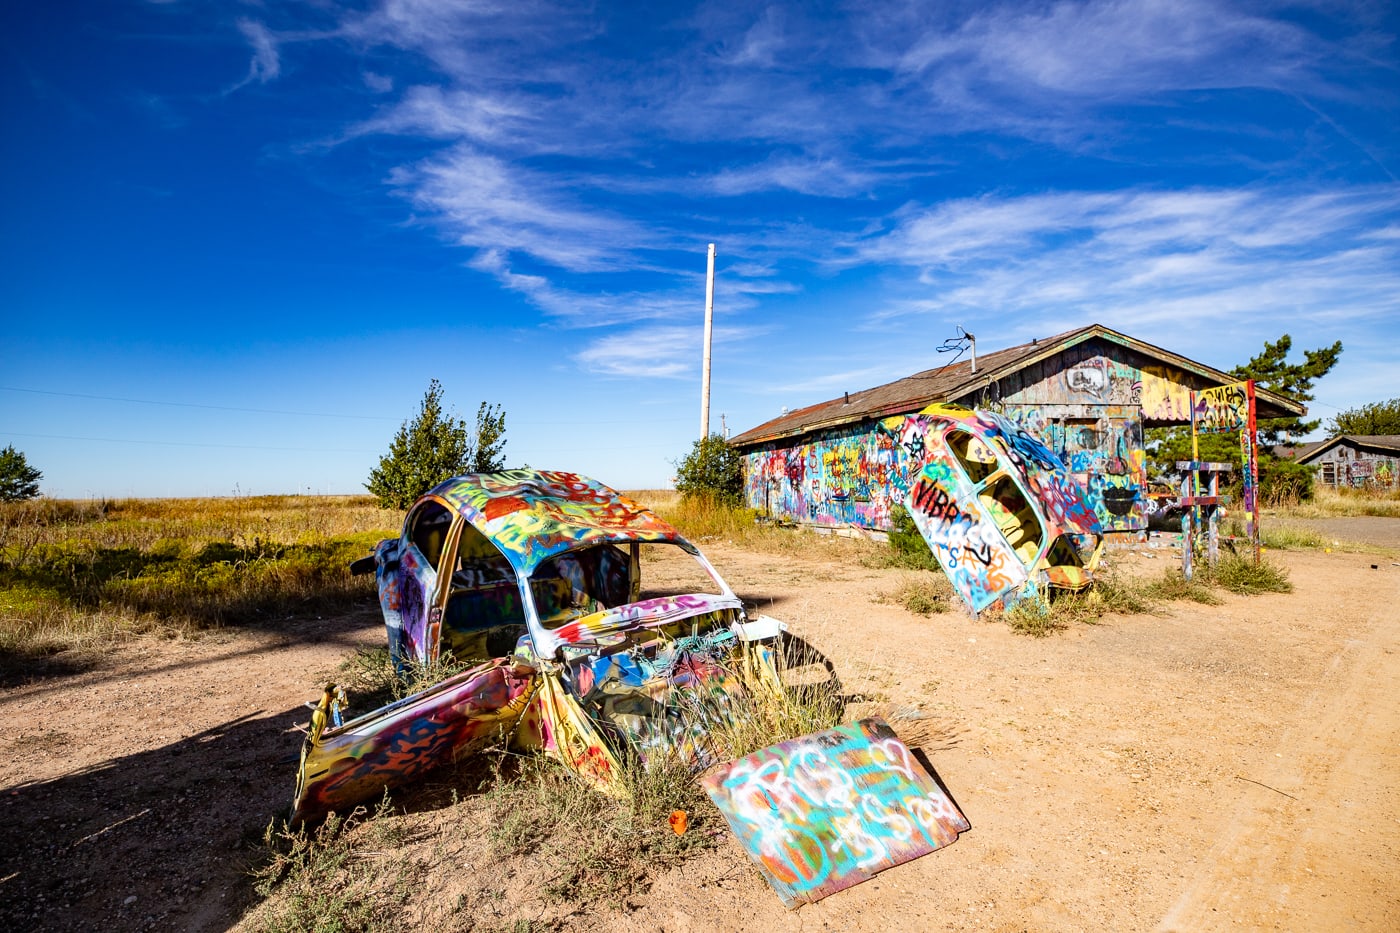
[
  {"x": 1138, "y": 255},
  {"x": 488, "y": 202},
  {"x": 580, "y": 155},
  {"x": 654, "y": 352},
  {"x": 266, "y": 64}
]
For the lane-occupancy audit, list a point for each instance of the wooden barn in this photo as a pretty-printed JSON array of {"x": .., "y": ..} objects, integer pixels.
[
  {"x": 1089, "y": 393},
  {"x": 1355, "y": 460}
]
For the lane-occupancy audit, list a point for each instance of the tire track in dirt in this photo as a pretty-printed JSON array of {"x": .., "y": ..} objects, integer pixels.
[{"x": 1289, "y": 857}]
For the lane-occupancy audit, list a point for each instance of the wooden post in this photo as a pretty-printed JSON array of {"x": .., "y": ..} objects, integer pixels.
[{"x": 709, "y": 324}]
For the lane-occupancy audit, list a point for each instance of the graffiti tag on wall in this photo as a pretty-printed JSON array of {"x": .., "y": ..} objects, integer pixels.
[
  {"x": 1222, "y": 410},
  {"x": 829, "y": 810}
]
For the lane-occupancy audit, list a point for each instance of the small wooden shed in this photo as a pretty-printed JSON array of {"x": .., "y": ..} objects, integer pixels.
[
  {"x": 1088, "y": 393},
  {"x": 1356, "y": 460}
]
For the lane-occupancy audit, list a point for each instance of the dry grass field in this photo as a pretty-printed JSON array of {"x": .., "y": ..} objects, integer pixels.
[{"x": 1167, "y": 758}]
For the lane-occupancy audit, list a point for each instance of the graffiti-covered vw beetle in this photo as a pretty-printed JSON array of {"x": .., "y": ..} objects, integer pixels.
[
  {"x": 589, "y": 625},
  {"x": 997, "y": 507}
]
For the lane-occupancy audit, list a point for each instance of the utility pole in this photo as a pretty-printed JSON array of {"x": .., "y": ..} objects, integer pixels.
[{"x": 709, "y": 325}]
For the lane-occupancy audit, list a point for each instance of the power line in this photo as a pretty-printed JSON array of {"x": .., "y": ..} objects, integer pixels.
[
  {"x": 328, "y": 450},
  {"x": 122, "y": 440},
  {"x": 302, "y": 414},
  {"x": 148, "y": 401}
]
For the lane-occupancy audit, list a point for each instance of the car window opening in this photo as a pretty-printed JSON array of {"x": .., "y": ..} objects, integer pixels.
[
  {"x": 428, "y": 530},
  {"x": 978, "y": 460},
  {"x": 484, "y": 616},
  {"x": 1014, "y": 516}
]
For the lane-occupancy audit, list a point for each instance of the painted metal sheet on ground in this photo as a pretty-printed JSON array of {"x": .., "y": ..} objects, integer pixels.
[{"x": 829, "y": 810}]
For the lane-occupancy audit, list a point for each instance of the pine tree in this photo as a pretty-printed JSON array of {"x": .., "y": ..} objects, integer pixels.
[
  {"x": 1271, "y": 370},
  {"x": 18, "y": 480},
  {"x": 435, "y": 447},
  {"x": 490, "y": 439}
]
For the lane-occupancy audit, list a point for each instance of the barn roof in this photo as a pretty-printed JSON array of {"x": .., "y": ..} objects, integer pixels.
[
  {"x": 1385, "y": 443},
  {"x": 957, "y": 381}
]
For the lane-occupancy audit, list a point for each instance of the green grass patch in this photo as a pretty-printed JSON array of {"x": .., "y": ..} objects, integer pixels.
[
  {"x": 75, "y": 575},
  {"x": 1045, "y": 612},
  {"x": 1240, "y": 574}
]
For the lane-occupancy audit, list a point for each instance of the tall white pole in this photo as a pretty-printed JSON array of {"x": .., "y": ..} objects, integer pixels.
[{"x": 709, "y": 325}]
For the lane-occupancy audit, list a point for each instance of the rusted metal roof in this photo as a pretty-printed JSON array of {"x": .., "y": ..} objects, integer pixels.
[
  {"x": 957, "y": 381},
  {"x": 1389, "y": 443}
]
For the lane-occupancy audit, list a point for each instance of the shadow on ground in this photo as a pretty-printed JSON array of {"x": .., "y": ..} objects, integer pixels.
[{"x": 156, "y": 840}]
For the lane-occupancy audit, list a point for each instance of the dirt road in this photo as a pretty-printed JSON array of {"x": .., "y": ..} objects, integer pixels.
[{"x": 1209, "y": 768}]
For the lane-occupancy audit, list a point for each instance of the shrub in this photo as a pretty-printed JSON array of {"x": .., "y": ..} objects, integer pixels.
[
  {"x": 908, "y": 548},
  {"x": 714, "y": 470}
]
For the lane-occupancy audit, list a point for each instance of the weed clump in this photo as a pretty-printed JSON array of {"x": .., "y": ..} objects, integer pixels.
[
  {"x": 323, "y": 878},
  {"x": 1242, "y": 575},
  {"x": 922, "y": 593}
]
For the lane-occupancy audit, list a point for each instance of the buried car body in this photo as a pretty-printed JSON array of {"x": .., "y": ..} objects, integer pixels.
[
  {"x": 1002, "y": 515},
  {"x": 544, "y": 584}
]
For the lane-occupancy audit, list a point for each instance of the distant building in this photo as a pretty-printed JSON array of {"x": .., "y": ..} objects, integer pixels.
[
  {"x": 1355, "y": 460},
  {"x": 1089, "y": 394}
]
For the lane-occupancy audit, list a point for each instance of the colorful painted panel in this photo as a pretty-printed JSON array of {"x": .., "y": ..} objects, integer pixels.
[
  {"x": 1165, "y": 395},
  {"x": 1222, "y": 410},
  {"x": 829, "y": 810},
  {"x": 1102, "y": 447},
  {"x": 347, "y": 765},
  {"x": 850, "y": 476}
]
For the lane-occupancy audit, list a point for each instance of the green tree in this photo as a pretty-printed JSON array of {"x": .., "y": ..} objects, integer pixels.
[
  {"x": 490, "y": 439},
  {"x": 1375, "y": 418},
  {"x": 434, "y": 447},
  {"x": 712, "y": 469},
  {"x": 1271, "y": 370},
  {"x": 1278, "y": 478},
  {"x": 18, "y": 480}
]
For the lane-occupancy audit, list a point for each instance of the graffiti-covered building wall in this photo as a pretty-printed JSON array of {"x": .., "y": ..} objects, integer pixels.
[
  {"x": 1089, "y": 394},
  {"x": 1358, "y": 461}
]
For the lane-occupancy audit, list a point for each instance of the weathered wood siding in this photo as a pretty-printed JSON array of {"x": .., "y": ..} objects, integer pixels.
[
  {"x": 1089, "y": 404},
  {"x": 1349, "y": 464}
]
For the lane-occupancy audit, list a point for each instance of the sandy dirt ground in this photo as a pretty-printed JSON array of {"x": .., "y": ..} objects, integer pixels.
[{"x": 1209, "y": 768}]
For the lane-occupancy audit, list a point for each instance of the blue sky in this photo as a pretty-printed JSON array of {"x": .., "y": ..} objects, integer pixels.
[{"x": 240, "y": 238}]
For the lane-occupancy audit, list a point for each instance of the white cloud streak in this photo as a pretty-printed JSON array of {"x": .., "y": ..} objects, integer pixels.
[
  {"x": 653, "y": 352},
  {"x": 266, "y": 64},
  {"x": 1150, "y": 256}
]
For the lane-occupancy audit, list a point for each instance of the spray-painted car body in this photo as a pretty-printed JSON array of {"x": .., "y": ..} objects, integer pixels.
[
  {"x": 999, "y": 510},
  {"x": 534, "y": 578}
]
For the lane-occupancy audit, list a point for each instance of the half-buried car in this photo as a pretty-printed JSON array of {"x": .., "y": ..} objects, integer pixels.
[{"x": 589, "y": 627}]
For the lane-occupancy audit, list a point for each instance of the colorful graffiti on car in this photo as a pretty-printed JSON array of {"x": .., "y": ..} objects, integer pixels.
[
  {"x": 997, "y": 507},
  {"x": 535, "y": 578},
  {"x": 829, "y": 810},
  {"x": 346, "y": 765}
]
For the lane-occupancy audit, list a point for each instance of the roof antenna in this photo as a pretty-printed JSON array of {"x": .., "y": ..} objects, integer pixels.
[{"x": 961, "y": 342}]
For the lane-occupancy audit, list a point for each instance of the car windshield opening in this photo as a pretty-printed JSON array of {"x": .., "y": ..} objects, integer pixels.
[{"x": 592, "y": 579}]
